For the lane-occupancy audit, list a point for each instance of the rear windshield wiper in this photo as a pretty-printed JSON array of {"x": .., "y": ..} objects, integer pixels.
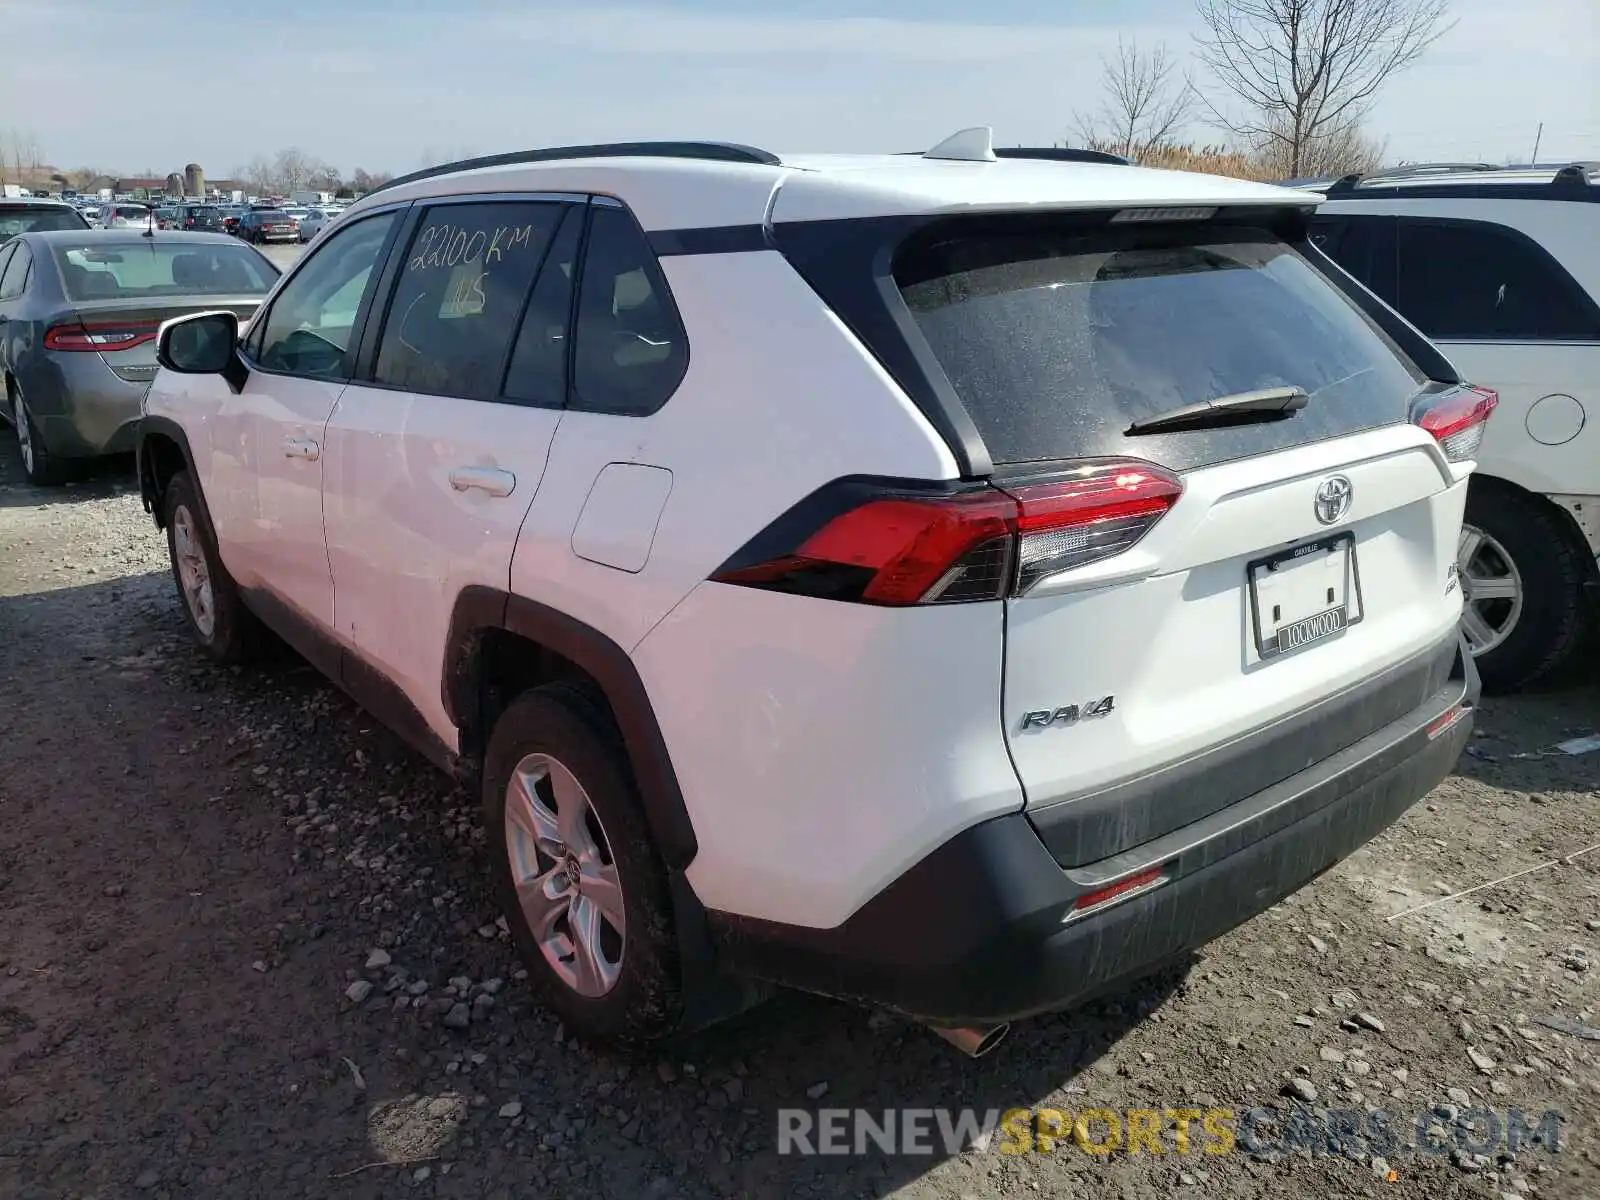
[{"x": 1264, "y": 404}]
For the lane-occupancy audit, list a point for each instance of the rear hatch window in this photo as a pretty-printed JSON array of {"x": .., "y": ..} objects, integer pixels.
[
  {"x": 112, "y": 271},
  {"x": 1059, "y": 336},
  {"x": 28, "y": 218}
]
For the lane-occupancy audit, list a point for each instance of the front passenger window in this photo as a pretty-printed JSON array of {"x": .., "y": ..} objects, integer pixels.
[{"x": 309, "y": 328}]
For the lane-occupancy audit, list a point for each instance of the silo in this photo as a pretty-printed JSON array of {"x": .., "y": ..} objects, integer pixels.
[
  {"x": 194, "y": 181},
  {"x": 175, "y": 185}
]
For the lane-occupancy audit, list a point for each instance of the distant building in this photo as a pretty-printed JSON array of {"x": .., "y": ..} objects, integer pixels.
[{"x": 141, "y": 188}]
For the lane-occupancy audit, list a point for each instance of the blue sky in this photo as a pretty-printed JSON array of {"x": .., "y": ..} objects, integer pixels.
[{"x": 378, "y": 85}]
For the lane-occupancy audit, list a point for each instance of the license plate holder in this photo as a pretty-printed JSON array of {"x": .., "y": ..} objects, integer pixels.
[{"x": 1304, "y": 595}]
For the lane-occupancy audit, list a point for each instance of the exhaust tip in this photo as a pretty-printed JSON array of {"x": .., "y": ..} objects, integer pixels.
[{"x": 973, "y": 1041}]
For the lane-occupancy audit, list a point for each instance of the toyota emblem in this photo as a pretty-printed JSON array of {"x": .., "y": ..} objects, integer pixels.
[{"x": 1333, "y": 499}]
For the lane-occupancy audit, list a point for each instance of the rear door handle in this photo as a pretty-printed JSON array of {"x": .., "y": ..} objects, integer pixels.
[
  {"x": 484, "y": 479},
  {"x": 301, "y": 448}
]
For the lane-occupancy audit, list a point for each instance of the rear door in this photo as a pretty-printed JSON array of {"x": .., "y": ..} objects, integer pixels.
[
  {"x": 434, "y": 456},
  {"x": 1226, "y": 574}
]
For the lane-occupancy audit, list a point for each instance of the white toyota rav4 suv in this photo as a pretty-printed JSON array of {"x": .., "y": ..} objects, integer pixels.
[
  {"x": 958, "y": 582},
  {"x": 1501, "y": 268}
]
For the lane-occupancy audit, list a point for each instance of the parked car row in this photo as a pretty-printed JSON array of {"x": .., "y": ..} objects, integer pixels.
[{"x": 271, "y": 223}]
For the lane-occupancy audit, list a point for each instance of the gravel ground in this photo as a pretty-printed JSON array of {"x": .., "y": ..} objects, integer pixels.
[{"x": 247, "y": 950}]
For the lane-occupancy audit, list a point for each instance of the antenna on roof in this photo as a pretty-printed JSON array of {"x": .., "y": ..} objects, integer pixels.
[{"x": 969, "y": 145}]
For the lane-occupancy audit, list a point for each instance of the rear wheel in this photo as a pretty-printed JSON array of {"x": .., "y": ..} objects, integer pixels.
[
  {"x": 1522, "y": 582},
  {"x": 42, "y": 468},
  {"x": 579, "y": 880},
  {"x": 224, "y": 628}
]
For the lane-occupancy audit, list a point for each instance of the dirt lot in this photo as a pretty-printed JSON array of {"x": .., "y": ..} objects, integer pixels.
[{"x": 196, "y": 866}]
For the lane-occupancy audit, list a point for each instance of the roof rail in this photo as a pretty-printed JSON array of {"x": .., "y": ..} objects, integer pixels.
[
  {"x": 1434, "y": 168},
  {"x": 1574, "y": 178},
  {"x": 1062, "y": 154},
  {"x": 1572, "y": 181},
  {"x": 728, "y": 152}
]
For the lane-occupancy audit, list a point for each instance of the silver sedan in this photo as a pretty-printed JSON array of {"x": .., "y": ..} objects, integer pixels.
[{"x": 79, "y": 312}]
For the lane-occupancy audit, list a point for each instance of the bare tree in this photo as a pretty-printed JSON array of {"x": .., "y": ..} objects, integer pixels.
[
  {"x": 325, "y": 178},
  {"x": 1338, "y": 151},
  {"x": 1301, "y": 70},
  {"x": 292, "y": 169},
  {"x": 364, "y": 181},
  {"x": 1146, "y": 102},
  {"x": 257, "y": 173}
]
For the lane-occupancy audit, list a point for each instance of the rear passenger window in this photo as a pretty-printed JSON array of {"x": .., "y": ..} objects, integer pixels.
[
  {"x": 15, "y": 277},
  {"x": 538, "y": 372},
  {"x": 1363, "y": 246},
  {"x": 630, "y": 350},
  {"x": 460, "y": 297},
  {"x": 1476, "y": 281}
]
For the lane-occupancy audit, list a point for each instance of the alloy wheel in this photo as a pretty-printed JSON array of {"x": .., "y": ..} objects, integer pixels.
[
  {"x": 565, "y": 875},
  {"x": 194, "y": 575},
  {"x": 1491, "y": 590}
]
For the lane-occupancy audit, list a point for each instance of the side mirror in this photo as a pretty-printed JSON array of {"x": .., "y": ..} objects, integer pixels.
[{"x": 199, "y": 344}]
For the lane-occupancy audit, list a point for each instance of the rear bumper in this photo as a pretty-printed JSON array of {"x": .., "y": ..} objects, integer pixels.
[
  {"x": 95, "y": 412},
  {"x": 976, "y": 932}
]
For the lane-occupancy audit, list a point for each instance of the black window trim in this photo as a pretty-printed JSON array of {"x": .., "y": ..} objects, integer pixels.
[
  {"x": 263, "y": 314},
  {"x": 1576, "y": 293},
  {"x": 7, "y": 249},
  {"x": 366, "y": 359}
]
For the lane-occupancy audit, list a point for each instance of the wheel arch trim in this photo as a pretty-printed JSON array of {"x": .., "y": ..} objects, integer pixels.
[
  {"x": 1557, "y": 504},
  {"x": 479, "y": 610},
  {"x": 150, "y": 491}
]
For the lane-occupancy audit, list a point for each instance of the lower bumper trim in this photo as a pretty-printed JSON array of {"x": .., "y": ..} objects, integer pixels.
[{"x": 978, "y": 933}]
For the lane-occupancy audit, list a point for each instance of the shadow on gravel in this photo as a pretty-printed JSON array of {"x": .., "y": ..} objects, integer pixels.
[
  {"x": 873, "y": 1063},
  {"x": 99, "y": 479}
]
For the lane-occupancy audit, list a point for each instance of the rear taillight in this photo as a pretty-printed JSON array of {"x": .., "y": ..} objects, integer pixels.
[
  {"x": 893, "y": 548},
  {"x": 102, "y": 338},
  {"x": 1457, "y": 419},
  {"x": 1098, "y": 512}
]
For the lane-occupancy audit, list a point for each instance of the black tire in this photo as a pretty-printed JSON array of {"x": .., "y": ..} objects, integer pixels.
[
  {"x": 1553, "y": 571},
  {"x": 234, "y": 634},
  {"x": 568, "y": 723},
  {"x": 42, "y": 468}
]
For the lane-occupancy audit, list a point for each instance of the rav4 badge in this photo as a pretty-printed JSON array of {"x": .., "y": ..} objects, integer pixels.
[{"x": 1067, "y": 714}]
